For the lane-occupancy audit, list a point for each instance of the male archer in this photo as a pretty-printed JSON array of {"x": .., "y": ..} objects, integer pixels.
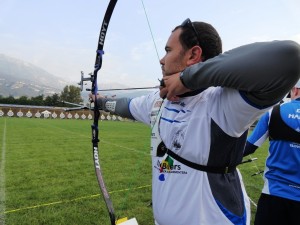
[{"x": 200, "y": 119}]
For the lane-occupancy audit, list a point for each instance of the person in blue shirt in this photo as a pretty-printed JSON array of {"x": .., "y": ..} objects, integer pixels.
[{"x": 279, "y": 202}]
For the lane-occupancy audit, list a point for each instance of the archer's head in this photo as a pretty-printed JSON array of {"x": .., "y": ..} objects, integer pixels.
[{"x": 190, "y": 43}]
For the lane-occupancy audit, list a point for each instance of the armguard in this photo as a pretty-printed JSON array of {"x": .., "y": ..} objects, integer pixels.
[{"x": 119, "y": 106}]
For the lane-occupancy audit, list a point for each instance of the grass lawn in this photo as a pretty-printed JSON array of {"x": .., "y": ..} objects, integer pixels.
[{"x": 47, "y": 173}]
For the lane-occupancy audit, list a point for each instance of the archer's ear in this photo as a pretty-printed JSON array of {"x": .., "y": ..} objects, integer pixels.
[
  {"x": 195, "y": 55},
  {"x": 297, "y": 91}
]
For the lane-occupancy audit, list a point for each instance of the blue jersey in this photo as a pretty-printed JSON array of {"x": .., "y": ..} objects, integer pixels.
[{"x": 282, "y": 173}]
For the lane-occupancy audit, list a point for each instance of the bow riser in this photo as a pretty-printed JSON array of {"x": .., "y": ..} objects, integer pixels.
[{"x": 95, "y": 131}]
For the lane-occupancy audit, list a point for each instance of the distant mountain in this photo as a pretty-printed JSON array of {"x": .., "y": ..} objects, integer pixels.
[{"x": 19, "y": 78}]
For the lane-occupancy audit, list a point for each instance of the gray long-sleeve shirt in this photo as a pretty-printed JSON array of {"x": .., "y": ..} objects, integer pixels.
[{"x": 264, "y": 71}]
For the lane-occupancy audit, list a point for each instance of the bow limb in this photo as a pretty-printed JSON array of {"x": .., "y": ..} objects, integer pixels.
[{"x": 95, "y": 130}]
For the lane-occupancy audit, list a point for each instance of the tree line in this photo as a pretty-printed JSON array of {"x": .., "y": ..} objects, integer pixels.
[{"x": 70, "y": 93}]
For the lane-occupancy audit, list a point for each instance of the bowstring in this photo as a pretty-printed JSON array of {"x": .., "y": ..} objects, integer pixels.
[
  {"x": 156, "y": 50},
  {"x": 149, "y": 26}
]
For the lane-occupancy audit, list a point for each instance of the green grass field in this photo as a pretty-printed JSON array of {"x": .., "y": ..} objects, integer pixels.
[{"x": 47, "y": 173}]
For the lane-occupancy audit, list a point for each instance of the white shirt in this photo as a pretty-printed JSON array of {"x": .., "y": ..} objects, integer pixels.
[{"x": 182, "y": 195}]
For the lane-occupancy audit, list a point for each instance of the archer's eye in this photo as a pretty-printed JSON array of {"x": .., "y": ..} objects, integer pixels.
[{"x": 167, "y": 49}]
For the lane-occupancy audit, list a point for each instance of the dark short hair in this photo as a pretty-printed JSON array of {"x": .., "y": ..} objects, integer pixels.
[{"x": 210, "y": 41}]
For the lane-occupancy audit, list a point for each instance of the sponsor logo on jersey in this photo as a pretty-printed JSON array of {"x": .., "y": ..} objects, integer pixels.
[{"x": 167, "y": 166}]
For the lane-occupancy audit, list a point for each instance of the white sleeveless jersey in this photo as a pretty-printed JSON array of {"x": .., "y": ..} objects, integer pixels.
[{"x": 200, "y": 129}]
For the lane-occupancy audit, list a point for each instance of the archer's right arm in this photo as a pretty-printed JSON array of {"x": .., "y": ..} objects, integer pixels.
[{"x": 263, "y": 72}]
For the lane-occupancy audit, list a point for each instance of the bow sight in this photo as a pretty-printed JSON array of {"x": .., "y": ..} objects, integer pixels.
[{"x": 91, "y": 78}]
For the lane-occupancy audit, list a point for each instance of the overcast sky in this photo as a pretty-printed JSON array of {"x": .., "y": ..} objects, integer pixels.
[{"x": 61, "y": 36}]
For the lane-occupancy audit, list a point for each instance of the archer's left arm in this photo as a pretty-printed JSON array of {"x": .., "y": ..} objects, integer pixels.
[
  {"x": 119, "y": 106},
  {"x": 138, "y": 108}
]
